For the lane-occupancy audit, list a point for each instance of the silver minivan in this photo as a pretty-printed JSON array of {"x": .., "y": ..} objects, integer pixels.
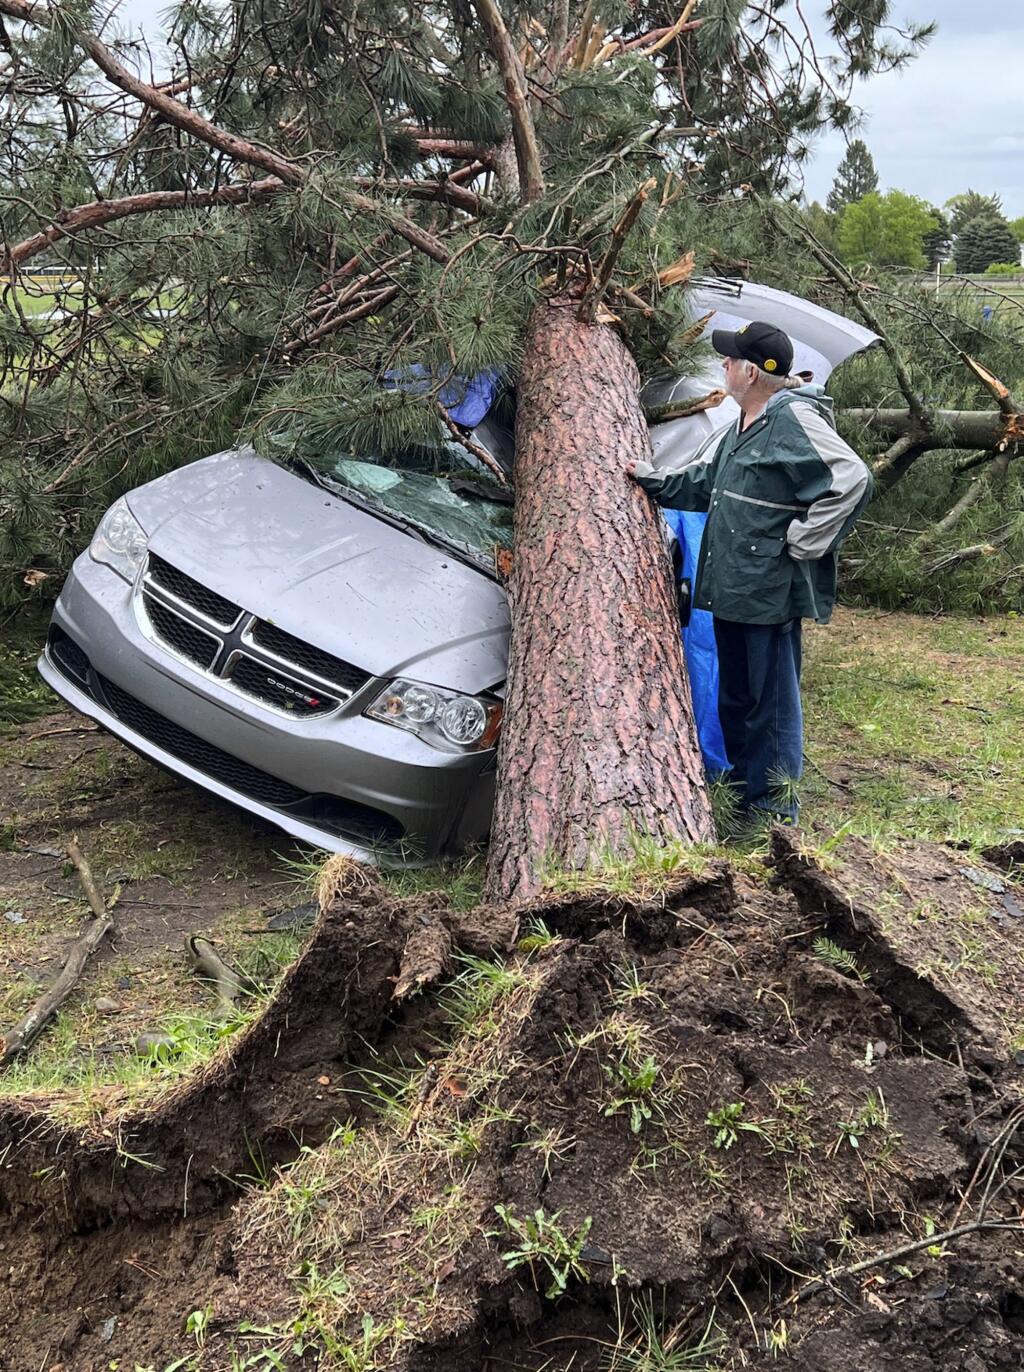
[{"x": 326, "y": 645}]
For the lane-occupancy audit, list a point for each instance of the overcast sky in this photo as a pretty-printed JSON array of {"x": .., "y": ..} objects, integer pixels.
[{"x": 954, "y": 118}]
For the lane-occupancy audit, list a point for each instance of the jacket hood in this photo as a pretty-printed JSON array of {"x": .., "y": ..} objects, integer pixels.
[{"x": 810, "y": 395}]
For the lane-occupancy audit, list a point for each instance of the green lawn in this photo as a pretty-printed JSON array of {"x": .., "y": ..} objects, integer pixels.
[{"x": 915, "y": 726}]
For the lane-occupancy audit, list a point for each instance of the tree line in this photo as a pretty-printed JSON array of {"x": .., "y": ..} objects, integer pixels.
[{"x": 869, "y": 227}]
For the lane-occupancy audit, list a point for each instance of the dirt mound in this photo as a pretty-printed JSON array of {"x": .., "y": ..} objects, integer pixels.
[{"x": 699, "y": 1113}]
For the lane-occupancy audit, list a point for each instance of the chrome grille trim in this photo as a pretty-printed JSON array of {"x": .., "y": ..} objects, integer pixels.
[
  {"x": 234, "y": 642},
  {"x": 236, "y": 659},
  {"x": 152, "y": 583},
  {"x": 300, "y": 673}
]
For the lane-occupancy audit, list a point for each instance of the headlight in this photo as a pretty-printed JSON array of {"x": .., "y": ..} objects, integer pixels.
[
  {"x": 120, "y": 541},
  {"x": 446, "y": 719}
]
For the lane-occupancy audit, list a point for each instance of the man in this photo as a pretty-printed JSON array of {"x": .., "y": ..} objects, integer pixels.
[{"x": 782, "y": 490}]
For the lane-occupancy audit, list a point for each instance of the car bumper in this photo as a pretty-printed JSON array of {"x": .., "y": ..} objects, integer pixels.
[{"x": 340, "y": 781}]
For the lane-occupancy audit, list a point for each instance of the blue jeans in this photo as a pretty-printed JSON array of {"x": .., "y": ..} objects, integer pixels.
[{"x": 759, "y": 707}]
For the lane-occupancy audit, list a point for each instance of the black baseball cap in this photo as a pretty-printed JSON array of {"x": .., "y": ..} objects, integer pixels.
[{"x": 763, "y": 344}]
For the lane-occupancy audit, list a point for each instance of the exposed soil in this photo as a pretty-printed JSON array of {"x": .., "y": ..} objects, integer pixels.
[{"x": 708, "y": 1107}]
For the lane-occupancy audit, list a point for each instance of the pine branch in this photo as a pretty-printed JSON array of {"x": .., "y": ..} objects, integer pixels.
[
  {"x": 471, "y": 447},
  {"x": 181, "y": 116},
  {"x": 524, "y": 135},
  {"x": 100, "y": 212},
  {"x": 360, "y": 311},
  {"x": 191, "y": 122},
  {"x": 446, "y": 192},
  {"x": 620, "y": 233},
  {"x": 456, "y": 148}
]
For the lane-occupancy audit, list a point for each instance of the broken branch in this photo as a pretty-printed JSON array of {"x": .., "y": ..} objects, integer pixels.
[
  {"x": 478, "y": 452},
  {"x": 524, "y": 135},
  {"x": 25, "y": 1033},
  {"x": 659, "y": 414},
  {"x": 189, "y": 121},
  {"x": 588, "y": 307}
]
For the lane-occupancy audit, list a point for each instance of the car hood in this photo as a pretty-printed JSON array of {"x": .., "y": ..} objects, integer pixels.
[{"x": 328, "y": 572}]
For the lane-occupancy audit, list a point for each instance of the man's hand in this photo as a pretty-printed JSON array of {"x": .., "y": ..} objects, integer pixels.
[{"x": 630, "y": 468}]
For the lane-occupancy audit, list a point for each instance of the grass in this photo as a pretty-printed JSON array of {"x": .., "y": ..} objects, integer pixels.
[
  {"x": 648, "y": 1342},
  {"x": 461, "y": 880},
  {"x": 86, "y": 1078},
  {"x": 915, "y": 727},
  {"x": 23, "y": 694}
]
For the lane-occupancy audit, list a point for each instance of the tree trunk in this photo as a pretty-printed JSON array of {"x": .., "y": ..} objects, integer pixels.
[{"x": 599, "y": 743}]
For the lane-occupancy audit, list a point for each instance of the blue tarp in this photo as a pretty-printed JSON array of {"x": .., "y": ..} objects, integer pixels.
[
  {"x": 466, "y": 398},
  {"x": 699, "y": 644}
]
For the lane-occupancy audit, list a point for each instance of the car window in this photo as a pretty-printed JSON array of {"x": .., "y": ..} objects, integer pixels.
[
  {"x": 452, "y": 501},
  {"x": 445, "y": 491}
]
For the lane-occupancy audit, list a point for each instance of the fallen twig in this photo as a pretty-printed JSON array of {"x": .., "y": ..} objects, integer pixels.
[
  {"x": 52, "y": 733},
  {"x": 905, "y": 1250},
  {"x": 25, "y": 1033},
  {"x": 988, "y": 1166}
]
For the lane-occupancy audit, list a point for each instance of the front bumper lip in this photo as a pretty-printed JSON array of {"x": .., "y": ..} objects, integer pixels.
[{"x": 305, "y": 833}]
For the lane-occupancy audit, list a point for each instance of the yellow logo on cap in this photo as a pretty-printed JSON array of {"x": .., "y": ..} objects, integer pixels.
[
  {"x": 744, "y": 329},
  {"x": 770, "y": 364}
]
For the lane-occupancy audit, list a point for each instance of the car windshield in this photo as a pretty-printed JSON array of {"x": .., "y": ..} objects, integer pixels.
[{"x": 440, "y": 491}]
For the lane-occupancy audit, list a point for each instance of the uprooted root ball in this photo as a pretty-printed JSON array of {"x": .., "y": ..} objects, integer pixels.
[{"x": 601, "y": 1133}]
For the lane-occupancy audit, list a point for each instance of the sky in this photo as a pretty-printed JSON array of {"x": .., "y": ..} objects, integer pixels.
[{"x": 952, "y": 119}]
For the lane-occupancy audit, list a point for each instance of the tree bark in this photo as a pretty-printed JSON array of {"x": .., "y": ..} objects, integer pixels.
[{"x": 599, "y": 741}]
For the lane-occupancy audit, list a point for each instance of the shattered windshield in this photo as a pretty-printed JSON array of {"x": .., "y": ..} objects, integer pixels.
[{"x": 438, "y": 490}]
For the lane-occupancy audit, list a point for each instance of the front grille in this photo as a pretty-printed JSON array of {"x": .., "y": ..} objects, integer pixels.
[
  {"x": 185, "y": 638},
  {"x": 303, "y": 654},
  {"x": 261, "y": 681},
  {"x": 192, "y": 592},
  {"x": 69, "y": 657}
]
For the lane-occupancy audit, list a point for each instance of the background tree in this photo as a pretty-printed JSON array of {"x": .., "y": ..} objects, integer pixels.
[
  {"x": 937, "y": 242},
  {"x": 972, "y": 205},
  {"x": 823, "y": 224},
  {"x": 1017, "y": 228},
  {"x": 886, "y": 230},
  {"x": 855, "y": 177},
  {"x": 984, "y": 241}
]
